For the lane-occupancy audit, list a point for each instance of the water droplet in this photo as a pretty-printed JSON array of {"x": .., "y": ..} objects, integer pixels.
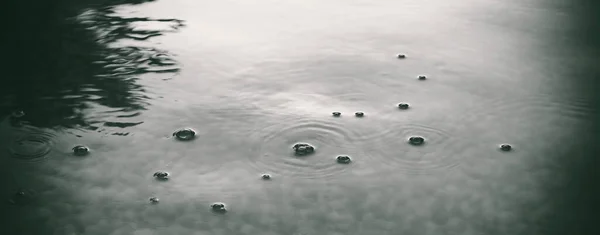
[
  {"x": 416, "y": 140},
  {"x": 359, "y": 114},
  {"x": 401, "y": 56},
  {"x": 185, "y": 134},
  {"x": 344, "y": 159},
  {"x": 336, "y": 114},
  {"x": 302, "y": 149},
  {"x": 422, "y": 77},
  {"x": 505, "y": 147},
  {"x": 80, "y": 150},
  {"x": 161, "y": 175},
  {"x": 266, "y": 177},
  {"x": 403, "y": 106},
  {"x": 154, "y": 200},
  {"x": 218, "y": 207}
]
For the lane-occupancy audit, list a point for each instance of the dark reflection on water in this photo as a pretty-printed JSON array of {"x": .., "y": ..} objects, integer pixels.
[
  {"x": 575, "y": 202},
  {"x": 64, "y": 60},
  {"x": 65, "y": 67}
]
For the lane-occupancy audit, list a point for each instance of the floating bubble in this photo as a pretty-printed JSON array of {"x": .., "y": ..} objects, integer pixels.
[
  {"x": 505, "y": 147},
  {"x": 218, "y": 207},
  {"x": 80, "y": 150},
  {"x": 302, "y": 149},
  {"x": 161, "y": 175},
  {"x": 154, "y": 200},
  {"x": 266, "y": 177},
  {"x": 403, "y": 106},
  {"x": 344, "y": 159},
  {"x": 416, "y": 140},
  {"x": 185, "y": 134}
]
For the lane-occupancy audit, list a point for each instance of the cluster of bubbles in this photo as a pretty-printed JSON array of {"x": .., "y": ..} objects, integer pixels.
[{"x": 187, "y": 134}]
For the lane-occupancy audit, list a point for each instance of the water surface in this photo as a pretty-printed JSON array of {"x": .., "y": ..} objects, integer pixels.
[{"x": 254, "y": 78}]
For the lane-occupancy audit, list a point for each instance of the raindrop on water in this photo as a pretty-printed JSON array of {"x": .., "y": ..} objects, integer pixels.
[
  {"x": 80, "y": 150},
  {"x": 505, "y": 147},
  {"x": 218, "y": 207},
  {"x": 161, "y": 175},
  {"x": 185, "y": 134},
  {"x": 153, "y": 200},
  {"x": 403, "y": 106},
  {"x": 344, "y": 159},
  {"x": 416, "y": 140},
  {"x": 266, "y": 177},
  {"x": 302, "y": 149}
]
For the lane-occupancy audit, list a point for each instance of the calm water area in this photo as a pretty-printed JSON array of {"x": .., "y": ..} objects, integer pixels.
[{"x": 253, "y": 78}]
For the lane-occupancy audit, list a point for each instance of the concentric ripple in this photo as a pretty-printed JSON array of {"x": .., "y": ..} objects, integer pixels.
[
  {"x": 32, "y": 146},
  {"x": 540, "y": 106},
  {"x": 330, "y": 139},
  {"x": 391, "y": 148}
]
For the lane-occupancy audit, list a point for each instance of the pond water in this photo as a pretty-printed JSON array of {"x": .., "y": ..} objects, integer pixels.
[{"x": 253, "y": 78}]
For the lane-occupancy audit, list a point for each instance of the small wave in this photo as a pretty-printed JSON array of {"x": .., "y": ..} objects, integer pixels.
[
  {"x": 32, "y": 144},
  {"x": 390, "y": 147},
  {"x": 329, "y": 138}
]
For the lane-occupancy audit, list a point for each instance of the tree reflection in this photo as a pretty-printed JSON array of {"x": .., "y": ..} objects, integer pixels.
[{"x": 64, "y": 60}]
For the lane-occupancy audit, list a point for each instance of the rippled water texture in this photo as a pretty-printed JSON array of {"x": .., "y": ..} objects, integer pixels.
[{"x": 254, "y": 78}]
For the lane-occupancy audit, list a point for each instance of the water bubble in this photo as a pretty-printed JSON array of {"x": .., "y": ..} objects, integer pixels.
[
  {"x": 344, "y": 159},
  {"x": 336, "y": 114},
  {"x": 505, "y": 147},
  {"x": 17, "y": 114},
  {"x": 416, "y": 140},
  {"x": 80, "y": 150},
  {"x": 401, "y": 56},
  {"x": 422, "y": 77},
  {"x": 302, "y": 149},
  {"x": 266, "y": 177},
  {"x": 185, "y": 134},
  {"x": 161, "y": 175},
  {"x": 218, "y": 207},
  {"x": 359, "y": 114},
  {"x": 154, "y": 200},
  {"x": 403, "y": 106}
]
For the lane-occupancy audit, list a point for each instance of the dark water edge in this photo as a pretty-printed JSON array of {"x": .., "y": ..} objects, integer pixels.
[
  {"x": 40, "y": 64},
  {"x": 577, "y": 206},
  {"x": 59, "y": 71},
  {"x": 59, "y": 66}
]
